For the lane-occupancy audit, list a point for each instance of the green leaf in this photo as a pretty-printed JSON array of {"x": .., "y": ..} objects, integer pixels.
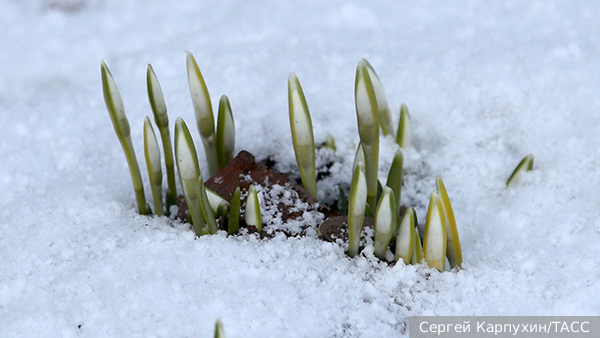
[
  {"x": 368, "y": 127},
  {"x": 207, "y": 212},
  {"x": 252, "y": 215},
  {"x": 383, "y": 109},
  {"x": 225, "y": 132},
  {"x": 453, "y": 249},
  {"x": 330, "y": 143},
  {"x": 343, "y": 201},
  {"x": 219, "y": 332},
  {"x": 403, "y": 136},
  {"x": 152, "y": 154},
  {"x": 386, "y": 222},
  {"x": 405, "y": 241},
  {"x": 302, "y": 135},
  {"x": 204, "y": 113},
  {"x": 189, "y": 171},
  {"x": 233, "y": 225},
  {"x": 434, "y": 241},
  {"x": 394, "y": 180},
  {"x": 525, "y": 165},
  {"x": 116, "y": 111},
  {"x": 161, "y": 118},
  {"x": 418, "y": 255},
  {"x": 356, "y": 208}
]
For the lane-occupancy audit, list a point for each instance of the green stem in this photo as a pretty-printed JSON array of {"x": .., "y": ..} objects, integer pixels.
[
  {"x": 136, "y": 177},
  {"x": 170, "y": 165}
]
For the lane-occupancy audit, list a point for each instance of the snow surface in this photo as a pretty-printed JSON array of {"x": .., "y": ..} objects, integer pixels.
[{"x": 486, "y": 82}]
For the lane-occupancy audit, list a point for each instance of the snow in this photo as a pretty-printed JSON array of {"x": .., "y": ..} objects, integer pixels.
[{"x": 486, "y": 84}]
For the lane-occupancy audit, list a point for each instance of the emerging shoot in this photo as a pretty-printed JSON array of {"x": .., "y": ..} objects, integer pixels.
[
  {"x": 219, "y": 332},
  {"x": 453, "y": 249},
  {"x": 252, "y": 216},
  {"x": 368, "y": 127},
  {"x": 302, "y": 135},
  {"x": 525, "y": 165},
  {"x": 152, "y": 154},
  {"x": 116, "y": 110},
  {"x": 394, "y": 180},
  {"x": 233, "y": 223},
  {"x": 225, "y": 132},
  {"x": 207, "y": 212},
  {"x": 205, "y": 119},
  {"x": 403, "y": 136},
  {"x": 189, "y": 171},
  {"x": 330, "y": 143},
  {"x": 386, "y": 222},
  {"x": 405, "y": 241},
  {"x": 159, "y": 109},
  {"x": 434, "y": 241},
  {"x": 383, "y": 109},
  {"x": 417, "y": 256},
  {"x": 356, "y": 208}
]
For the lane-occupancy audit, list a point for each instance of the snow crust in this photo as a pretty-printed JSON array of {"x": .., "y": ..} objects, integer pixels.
[{"x": 486, "y": 84}]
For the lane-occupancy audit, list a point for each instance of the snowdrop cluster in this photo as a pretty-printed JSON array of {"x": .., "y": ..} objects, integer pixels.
[{"x": 367, "y": 198}]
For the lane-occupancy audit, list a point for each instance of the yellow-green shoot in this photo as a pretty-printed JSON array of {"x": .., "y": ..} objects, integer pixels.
[
  {"x": 330, "y": 143},
  {"x": 233, "y": 221},
  {"x": 159, "y": 110},
  {"x": 116, "y": 111},
  {"x": 403, "y": 136},
  {"x": 189, "y": 171},
  {"x": 207, "y": 212},
  {"x": 453, "y": 249},
  {"x": 383, "y": 108},
  {"x": 386, "y": 222},
  {"x": 368, "y": 127},
  {"x": 526, "y": 164},
  {"x": 205, "y": 119},
  {"x": 152, "y": 154},
  {"x": 302, "y": 135},
  {"x": 394, "y": 180},
  {"x": 405, "y": 240},
  {"x": 434, "y": 239},
  {"x": 418, "y": 255},
  {"x": 252, "y": 215},
  {"x": 356, "y": 208},
  {"x": 225, "y": 132},
  {"x": 219, "y": 331}
]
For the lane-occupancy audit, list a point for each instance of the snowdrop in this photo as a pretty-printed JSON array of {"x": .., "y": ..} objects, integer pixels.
[
  {"x": 356, "y": 208},
  {"x": 434, "y": 238},
  {"x": 161, "y": 118},
  {"x": 526, "y": 164},
  {"x": 403, "y": 136},
  {"x": 368, "y": 127},
  {"x": 203, "y": 111},
  {"x": 189, "y": 170},
  {"x": 152, "y": 154},
  {"x": 252, "y": 213},
  {"x": 386, "y": 222},
  {"x": 302, "y": 135},
  {"x": 405, "y": 240},
  {"x": 453, "y": 249},
  {"x": 116, "y": 110}
]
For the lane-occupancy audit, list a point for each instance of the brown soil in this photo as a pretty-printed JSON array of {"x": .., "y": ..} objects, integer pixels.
[{"x": 242, "y": 171}]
